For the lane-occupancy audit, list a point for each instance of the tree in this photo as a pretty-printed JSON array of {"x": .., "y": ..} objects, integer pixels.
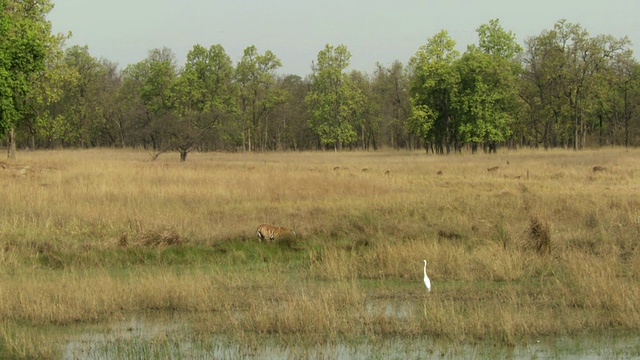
[
  {"x": 81, "y": 98},
  {"x": 206, "y": 96},
  {"x": 564, "y": 71},
  {"x": 432, "y": 89},
  {"x": 90, "y": 116},
  {"x": 495, "y": 41},
  {"x": 335, "y": 103},
  {"x": 486, "y": 101},
  {"x": 73, "y": 101},
  {"x": 621, "y": 105},
  {"x": 25, "y": 36},
  {"x": 108, "y": 126},
  {"x": 390, "y": 88},
  {"x": 255, "y": 74},
  {"x": 369, "y": 120},
  {"x": 152, "y": 80},
  {"x": 290, "y": 124},
  {"x": 542, "y": 88},
  {"x": 44, "y": 106}
]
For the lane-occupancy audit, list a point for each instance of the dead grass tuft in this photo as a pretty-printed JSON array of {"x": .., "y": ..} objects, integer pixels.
[
  {"x": 540, "y": 235},
  {"x": 43, "y": 247},
  {"x": 448, "y": 234},
  {"x": 158, "y": 237},
  {"x": 123, "y": 240}
]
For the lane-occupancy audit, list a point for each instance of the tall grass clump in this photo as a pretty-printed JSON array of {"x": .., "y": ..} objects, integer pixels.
[{"x": 540, "y": 235}]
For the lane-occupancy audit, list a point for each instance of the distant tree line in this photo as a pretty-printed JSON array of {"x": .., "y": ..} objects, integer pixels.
[{"x": 563, "y": 88}]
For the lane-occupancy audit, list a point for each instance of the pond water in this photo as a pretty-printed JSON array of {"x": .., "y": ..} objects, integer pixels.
[{"x": 170, "y": 337}]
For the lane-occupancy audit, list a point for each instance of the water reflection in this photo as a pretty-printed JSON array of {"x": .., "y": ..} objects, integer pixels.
[{"x": 170, "y": 337}]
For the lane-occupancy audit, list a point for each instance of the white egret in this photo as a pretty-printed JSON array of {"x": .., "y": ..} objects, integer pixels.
[{"x": 427, "y": 282}]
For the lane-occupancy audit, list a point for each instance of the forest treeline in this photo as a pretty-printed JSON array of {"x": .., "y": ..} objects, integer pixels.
[{"x": 561, "y": 88}]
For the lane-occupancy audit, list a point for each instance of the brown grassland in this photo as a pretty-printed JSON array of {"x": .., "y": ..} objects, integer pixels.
[{"x": 542, "y": 245}]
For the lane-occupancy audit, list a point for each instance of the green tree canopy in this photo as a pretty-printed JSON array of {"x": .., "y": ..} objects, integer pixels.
[
  {"x": 152, "y": 81},
  {"x": 45, "y": 123},
  {"x": 433, "y": 87},
  {"x": 390, "y": 87},
  {"x": 335, "y": 103},
  {"x": 564, "y": 72},
  {"x": 255, "y": 74},
  {"x": 206, "y": 98},
  {"x": 206, "y": 83},
  {"x": 486, "y": 101},
  {"x": 25, "y": 36}
]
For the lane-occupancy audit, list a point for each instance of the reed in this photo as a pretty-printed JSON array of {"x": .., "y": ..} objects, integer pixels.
[{"x": 543, "y": 245}]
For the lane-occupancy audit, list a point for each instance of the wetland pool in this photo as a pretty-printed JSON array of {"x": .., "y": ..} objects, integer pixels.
[{"x": 172, "y": 337}]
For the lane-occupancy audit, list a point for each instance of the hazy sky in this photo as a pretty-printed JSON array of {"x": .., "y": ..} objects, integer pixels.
[{"x": 382, "y": 31}]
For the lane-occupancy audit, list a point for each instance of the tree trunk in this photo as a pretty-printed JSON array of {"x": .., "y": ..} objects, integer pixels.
[
  {"x": 183, "y": 154},
  {"x": 12, "y": 144},
  {"x": 121, "y": 132}
]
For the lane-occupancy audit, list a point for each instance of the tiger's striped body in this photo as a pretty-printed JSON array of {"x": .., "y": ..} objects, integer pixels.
[{"x": 271, "y": 233}]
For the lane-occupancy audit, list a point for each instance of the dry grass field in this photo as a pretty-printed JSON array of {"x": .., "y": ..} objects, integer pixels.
[{"x": 519, "y": 244}]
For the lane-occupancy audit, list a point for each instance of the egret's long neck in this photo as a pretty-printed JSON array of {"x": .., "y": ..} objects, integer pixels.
[{"x": 425, "y": 268}]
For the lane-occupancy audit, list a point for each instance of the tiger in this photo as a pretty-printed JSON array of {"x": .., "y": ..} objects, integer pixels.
[{"x": 271, "y": 233}]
